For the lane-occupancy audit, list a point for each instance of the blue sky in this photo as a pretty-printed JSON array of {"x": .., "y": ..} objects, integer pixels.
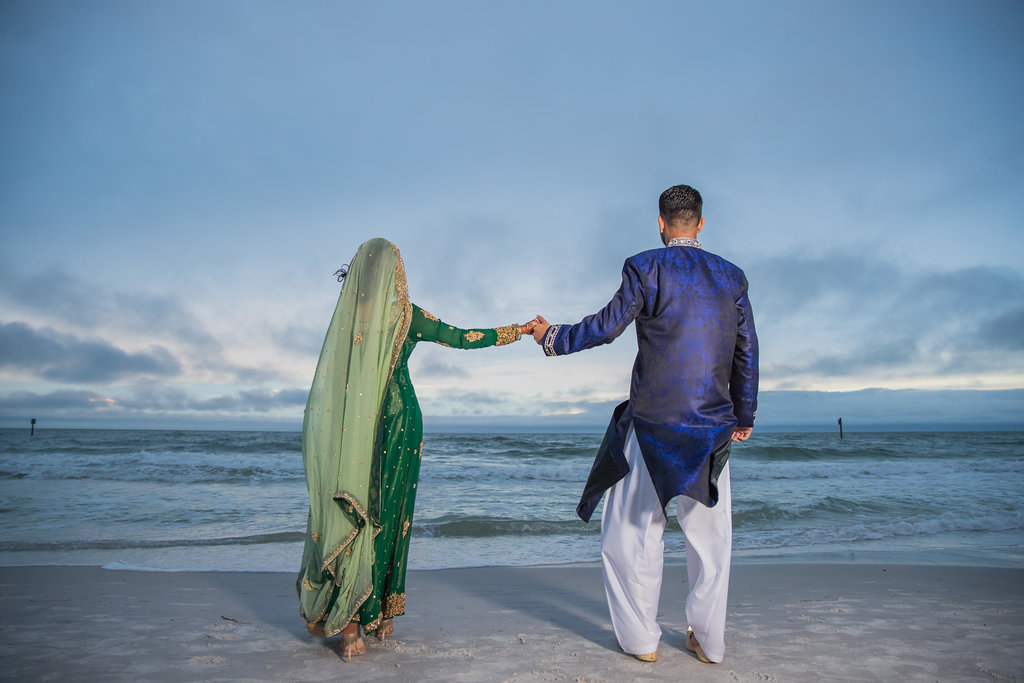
[{"x": 179, "y": 180}]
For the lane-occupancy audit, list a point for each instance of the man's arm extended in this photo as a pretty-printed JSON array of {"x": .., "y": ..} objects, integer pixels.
[{"x": 601, "y": 327}]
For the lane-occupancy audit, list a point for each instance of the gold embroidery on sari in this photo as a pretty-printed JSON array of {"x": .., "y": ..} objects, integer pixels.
[
  {"x": 358, "y": 338},
  {"x": 350, "y": 505},
  {"x": 428, "y": 315},
  {"x": 405, "y": 528},
  {"x": 402, "y": 290},
  {"x": 507, "y": 334},
  {"x": 345, "y": 622},
  {"x": 373, "y": 625},
  {"x": 473, "y": 335},
  {"x": 394, "y": 605}
]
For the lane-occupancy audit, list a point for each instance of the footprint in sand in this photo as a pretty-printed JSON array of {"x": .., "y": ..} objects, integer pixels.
[{"x": 221, "y": 629}]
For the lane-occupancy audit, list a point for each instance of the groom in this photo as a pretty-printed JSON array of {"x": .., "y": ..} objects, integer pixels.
[{"x": 693, "y": 392}]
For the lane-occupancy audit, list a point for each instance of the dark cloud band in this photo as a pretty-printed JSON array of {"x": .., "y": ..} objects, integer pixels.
[{"x": 66, "y": 358}]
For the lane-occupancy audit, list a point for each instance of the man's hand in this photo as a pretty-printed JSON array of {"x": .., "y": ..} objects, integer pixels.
[
  {"x": 742, "y": 434},
  {"x": 540, "y": 329}
]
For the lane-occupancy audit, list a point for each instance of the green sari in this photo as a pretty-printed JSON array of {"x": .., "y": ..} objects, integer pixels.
[{"x": 362, "y": 439}]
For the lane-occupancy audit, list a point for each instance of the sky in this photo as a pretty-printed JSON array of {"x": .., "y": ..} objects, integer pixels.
[{"x": 180, "y": 179}]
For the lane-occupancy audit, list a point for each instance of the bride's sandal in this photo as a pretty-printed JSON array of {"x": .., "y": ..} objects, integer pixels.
[
  {"x": 386, "y": 628},
  {"x": 351, "y": 646}
]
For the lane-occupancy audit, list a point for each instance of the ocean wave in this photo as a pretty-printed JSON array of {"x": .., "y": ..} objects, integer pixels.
[
  {"x": 863, "y": 453},
  {"x": 821, "y": 510},
  {"x": 877, "y": 530},
  {"x": 853, "y": 469},
  {"x": 478, "y": 527},
  {"x": 891, "y": 446},
  {"x": 73, "y": 442},
  {"x": 233, "y": 493},
  {"x": 518, "y": 454},
  {"x": 559, "y": 472},
  {"x": 161, "y": 467},
  {"x": 114, "y": 544}
]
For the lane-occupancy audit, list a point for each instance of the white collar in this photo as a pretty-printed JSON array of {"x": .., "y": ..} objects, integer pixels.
[{"x": 683, "y": 242}]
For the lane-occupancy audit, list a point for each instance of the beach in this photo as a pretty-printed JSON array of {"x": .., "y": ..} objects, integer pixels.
[
  {"x": 864, "y": 559},
  {"x": 787, "y": 622}
]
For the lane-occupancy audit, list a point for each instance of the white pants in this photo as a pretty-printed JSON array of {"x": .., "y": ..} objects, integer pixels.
[{"x": 632, "y": 549}]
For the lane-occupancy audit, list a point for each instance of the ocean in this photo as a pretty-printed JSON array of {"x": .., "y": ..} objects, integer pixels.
[{"x": 224, "y": 500}]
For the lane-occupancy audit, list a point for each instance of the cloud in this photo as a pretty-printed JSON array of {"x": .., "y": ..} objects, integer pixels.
[
  {"x": 84, "y": 308},
  {"x": 880, "y": 407},
  {"x": 62, "y": 296},
  {"x": 25, "y": 403},
  {"x": 477, "y": 403},
  {"x": 147, "y": 401},
  {"x": 430, "y": 365},
  {"x": 894, "y": 354},
  {"x": 159, "y": 399},
  {"x": 582, "y": 403},
  {"x": 66, "y": 358},
  {"x": 1005, "y": 331},
  {"x": 155, "y": 406},
  {"x": 263, "y": 400},
  {"x": 845, "y": 314},
  {"x": 306, "y": 338}
]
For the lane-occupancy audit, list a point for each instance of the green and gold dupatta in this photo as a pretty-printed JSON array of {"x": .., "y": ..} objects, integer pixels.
[{"x": 339, "y": 430}]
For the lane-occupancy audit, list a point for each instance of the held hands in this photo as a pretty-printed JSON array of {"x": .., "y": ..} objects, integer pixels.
[
  {"x": 527, "y": 328},
  {"x": 540, "y": 328},
  {"x": 530, "y": 327}
]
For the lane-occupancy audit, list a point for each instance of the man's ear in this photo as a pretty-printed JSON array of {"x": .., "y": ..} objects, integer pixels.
[
  {"x": 661, "y": 225},
  {"x": 700, "y": 225}
]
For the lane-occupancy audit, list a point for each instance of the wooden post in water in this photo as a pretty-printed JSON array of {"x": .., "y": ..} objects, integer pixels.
[
  {"x": 840, "y": 428},
  {"x": 33, "y": 432}
]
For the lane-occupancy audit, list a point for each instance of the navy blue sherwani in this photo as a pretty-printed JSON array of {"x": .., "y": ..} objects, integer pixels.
[{"x": 695, "y": 375}]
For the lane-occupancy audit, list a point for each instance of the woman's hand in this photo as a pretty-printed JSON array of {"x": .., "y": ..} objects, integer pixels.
[{"x": 527, "y": 328}]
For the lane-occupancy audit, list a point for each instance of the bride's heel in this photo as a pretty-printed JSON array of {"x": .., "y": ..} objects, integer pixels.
[
  {"x": 352, "y": 645},
  {"x": 386, "y": 628}
]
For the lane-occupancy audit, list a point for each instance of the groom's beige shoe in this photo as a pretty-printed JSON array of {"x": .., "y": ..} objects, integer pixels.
[
  {"x": 650, "y": 657},
  {"x": 693, "y": 646}
]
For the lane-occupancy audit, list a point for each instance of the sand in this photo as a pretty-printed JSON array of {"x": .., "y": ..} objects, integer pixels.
[{"x": 787, "y": 622}]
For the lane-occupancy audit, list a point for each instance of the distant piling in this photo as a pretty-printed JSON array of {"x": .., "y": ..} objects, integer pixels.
[
  {"x": 840, "y": 428},
  {"x": 33, "y": 432}
]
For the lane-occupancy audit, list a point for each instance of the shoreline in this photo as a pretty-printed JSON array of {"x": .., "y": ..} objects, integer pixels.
[
  {"x": 787, "y": 621},
  {"x": 228, "y": 558}
]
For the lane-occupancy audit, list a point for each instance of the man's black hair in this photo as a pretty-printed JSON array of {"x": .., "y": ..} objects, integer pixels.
[{"x": 680, "y": 205}]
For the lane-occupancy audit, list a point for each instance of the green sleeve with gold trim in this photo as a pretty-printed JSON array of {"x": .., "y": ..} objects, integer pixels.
[{"x": 426, "y": 327}]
